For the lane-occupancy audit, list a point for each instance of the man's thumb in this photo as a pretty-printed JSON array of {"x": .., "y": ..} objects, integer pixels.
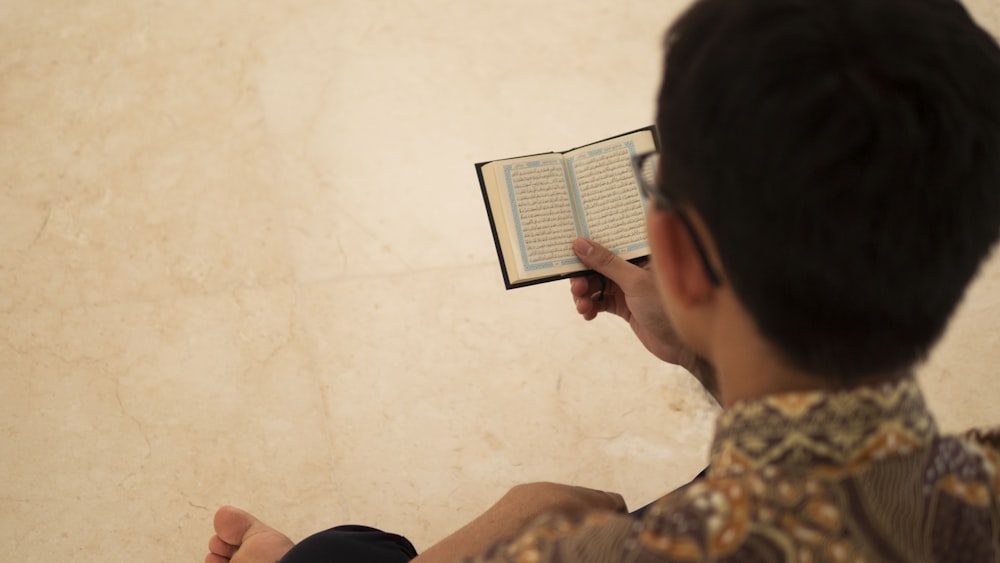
[{"x": 603, "y": 261}]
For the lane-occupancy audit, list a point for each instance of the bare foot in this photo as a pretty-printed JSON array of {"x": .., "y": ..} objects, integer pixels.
[{"x": 241, "y": 538}]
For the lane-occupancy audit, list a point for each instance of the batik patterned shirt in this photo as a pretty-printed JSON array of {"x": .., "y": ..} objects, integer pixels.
[{"x": 859, "y": 475}]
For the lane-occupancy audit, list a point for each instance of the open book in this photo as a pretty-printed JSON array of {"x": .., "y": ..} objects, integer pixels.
[{"x": 537, "y": 206}]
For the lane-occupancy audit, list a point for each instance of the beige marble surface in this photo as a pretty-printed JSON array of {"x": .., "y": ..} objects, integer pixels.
[{"x": 244, "y": 259}]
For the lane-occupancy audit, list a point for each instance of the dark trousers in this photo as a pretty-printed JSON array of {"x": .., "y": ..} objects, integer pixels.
[{"x": 350, "y": 544}]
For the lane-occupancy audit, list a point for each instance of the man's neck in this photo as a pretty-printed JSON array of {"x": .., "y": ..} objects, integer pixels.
[{"x": 749, "y": 368}]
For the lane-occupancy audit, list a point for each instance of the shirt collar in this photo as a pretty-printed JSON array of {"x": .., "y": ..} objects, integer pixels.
[{"x": 831, "y": 432}]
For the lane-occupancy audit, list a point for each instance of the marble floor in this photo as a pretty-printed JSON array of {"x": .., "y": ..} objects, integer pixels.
[{"x": 244, "y": 259}]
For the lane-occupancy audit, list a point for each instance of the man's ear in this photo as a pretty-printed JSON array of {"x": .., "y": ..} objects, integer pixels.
[{"x": 676, "y": 261}]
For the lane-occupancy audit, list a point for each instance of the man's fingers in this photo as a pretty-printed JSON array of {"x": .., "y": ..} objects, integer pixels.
[
  {"x": 587, "y": 291},
  {"x": 606, "y": 500},
  {"x": 605, "y": 262},
  {"x": 619, "y": 502},
  {"x": 587, "y": 286},
  {"x": 587, "y": 307},
  {"x": 579, "y": 286}
]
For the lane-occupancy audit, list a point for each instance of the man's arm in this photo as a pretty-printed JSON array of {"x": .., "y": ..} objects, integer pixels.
[
  {"x": 511, "y": 514},
  {"x": 630, "y": 293}
]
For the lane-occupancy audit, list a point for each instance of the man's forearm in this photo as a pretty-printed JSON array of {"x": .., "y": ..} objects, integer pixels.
[
  {"x": 511, "y": 514},
  {"x": 498, "y": 523}
]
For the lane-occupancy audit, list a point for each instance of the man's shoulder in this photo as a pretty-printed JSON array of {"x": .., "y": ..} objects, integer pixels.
[
  {"x": 986, "y": 438},
  {"x": 982, "y": 447},
  {"x": 970, "y": 459},
  {"x": 762, "y": 515},
  {"x": 873, "y": 508}
]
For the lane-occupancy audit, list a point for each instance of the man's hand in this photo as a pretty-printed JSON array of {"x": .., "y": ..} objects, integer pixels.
[{"x": 630, "y": 292}]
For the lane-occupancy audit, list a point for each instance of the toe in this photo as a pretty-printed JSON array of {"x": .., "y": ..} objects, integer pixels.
[
  {"x": 216, "y": 546},
  {"x": 240, "y": 536},
  {"x": 232, "y": 524}
]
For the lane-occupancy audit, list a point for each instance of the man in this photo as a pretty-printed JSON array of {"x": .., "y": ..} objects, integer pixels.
[{"x": 828, "y": 185}]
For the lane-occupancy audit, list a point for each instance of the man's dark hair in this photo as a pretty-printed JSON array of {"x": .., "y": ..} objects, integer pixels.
[{"x": 845, "y": 155}]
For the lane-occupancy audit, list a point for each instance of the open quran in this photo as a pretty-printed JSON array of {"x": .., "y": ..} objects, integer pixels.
[{"x": 537, "y": 205}]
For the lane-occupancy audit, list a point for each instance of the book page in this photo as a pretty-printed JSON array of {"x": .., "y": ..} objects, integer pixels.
[
  {"x": 608, "y": 192},
  {"x": 540, "y": 211}
]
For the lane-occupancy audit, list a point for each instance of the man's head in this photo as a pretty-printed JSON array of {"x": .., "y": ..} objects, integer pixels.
[{"x": 845, "y": 158}]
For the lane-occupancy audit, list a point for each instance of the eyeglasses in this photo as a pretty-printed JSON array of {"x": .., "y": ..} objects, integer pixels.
[{"x": 647, "y": 166}]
